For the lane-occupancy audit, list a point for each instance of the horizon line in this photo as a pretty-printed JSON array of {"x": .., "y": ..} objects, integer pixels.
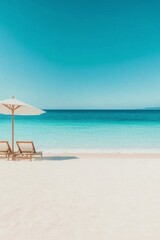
[{"x": 100, "y": 109}]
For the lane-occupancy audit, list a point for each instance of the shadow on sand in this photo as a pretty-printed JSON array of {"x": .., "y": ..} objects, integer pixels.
[{"x": 57, "y": 158}]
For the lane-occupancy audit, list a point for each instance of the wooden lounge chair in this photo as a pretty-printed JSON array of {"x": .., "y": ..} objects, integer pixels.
[
  {"x": 26, "y": 149},
  {"x": 5, "y": 149}
]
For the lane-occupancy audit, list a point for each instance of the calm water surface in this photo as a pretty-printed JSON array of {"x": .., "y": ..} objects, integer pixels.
[{"x": 88, "y": 130}]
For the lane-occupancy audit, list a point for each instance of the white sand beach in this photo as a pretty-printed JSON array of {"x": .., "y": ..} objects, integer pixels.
[{"x": 80, "y": 197}]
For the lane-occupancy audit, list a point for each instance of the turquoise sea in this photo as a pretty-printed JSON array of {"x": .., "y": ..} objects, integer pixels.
[{"x": 88, "y": 130}]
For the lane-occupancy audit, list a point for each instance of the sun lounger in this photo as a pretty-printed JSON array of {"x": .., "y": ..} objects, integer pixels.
[
  {"x": 26, "y": 149},
  {"x": 5, "y": 149}
]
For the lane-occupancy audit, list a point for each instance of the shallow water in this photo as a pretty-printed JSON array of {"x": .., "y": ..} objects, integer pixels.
[{"x": 88, "y": 130}]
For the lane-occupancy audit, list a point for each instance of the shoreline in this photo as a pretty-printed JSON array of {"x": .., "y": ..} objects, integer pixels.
[
  {"x": 103, "y": 155},
  {"x": 101, "y": 150}
]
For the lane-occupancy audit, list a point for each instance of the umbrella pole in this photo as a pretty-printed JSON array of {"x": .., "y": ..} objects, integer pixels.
[{"x": 12, "y": 133}]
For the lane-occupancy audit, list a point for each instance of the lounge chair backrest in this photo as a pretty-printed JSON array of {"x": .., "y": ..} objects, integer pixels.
[
  {"x": 4, "y": 146},
  {"x": 26, "y": 147}
]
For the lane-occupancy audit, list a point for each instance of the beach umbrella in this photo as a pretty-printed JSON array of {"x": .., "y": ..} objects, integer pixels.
[{"x": 15, "y": 107}]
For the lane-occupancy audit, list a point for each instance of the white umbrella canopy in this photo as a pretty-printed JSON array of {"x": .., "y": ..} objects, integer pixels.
[
  {"x": 15, "y": 107},
  {"x": 20, "y": 108}
]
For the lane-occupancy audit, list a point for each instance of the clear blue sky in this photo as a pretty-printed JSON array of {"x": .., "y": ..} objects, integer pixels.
[{"x": 81, "y": 54}]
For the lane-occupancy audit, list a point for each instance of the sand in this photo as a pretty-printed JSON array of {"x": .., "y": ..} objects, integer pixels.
[{"x": 78, "y": 197}]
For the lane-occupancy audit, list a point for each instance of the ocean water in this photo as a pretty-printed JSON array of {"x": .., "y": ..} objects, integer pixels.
[{"x": 88, "y": 130}]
